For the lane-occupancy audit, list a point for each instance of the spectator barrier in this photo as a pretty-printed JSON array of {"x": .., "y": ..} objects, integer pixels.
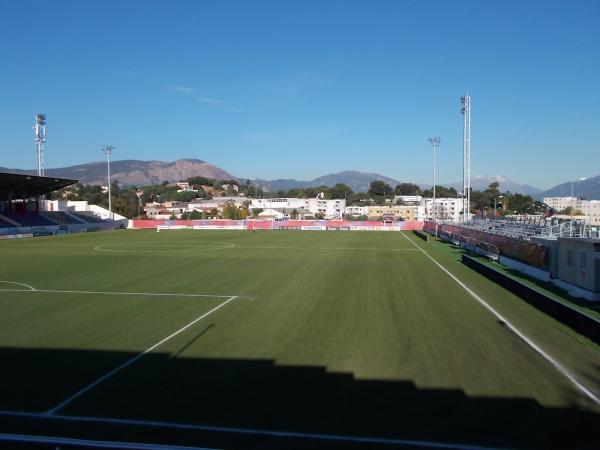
[
  {"x": 421, "y": 235},
  {"x": 577, "y": 320},
  {"x": 262, "y": 224}
]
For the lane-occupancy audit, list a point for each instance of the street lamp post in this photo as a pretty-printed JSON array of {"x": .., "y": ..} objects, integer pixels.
[
  {"x": 139, "y": 194},
  {"x": 108, "y": 150},
  {"x": 496, "y": 198},
  {"x": 573, "y": 198},
  {"x": 435, "y": 142}
]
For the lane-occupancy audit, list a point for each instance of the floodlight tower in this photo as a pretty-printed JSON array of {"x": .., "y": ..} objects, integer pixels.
[
  {"x": 466, "y": 112},
  {"x": 39, "y": 130},
  {"x": 108, "y": 150},
  {"x": 435, "y": 142}
]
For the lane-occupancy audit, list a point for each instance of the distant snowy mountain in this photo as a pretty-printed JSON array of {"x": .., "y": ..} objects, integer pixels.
[
  {"x": 481, "y": 182},
  {"x": 588, "y": 189}
]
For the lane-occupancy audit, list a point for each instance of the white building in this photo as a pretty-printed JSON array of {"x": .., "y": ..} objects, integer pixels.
[
  {"x": 408, "y": 199},
  {"x": 357, "y": 211},
  {"x": 561, "y": 203},
  {"x": 445, "y": 209},
  {"x": 589, "y": 208},
  {"x": 591, "y": 211},
  {"x": 329, "y": 209},
  {"x": 184, "y": 186}
]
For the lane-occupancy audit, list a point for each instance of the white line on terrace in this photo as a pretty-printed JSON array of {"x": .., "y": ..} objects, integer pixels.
[
  {"x": 255, "y": 432},
  {"x": 91, "y": 443},
  {"x": 132, "y": 360},
  {"x": 588, "y": 393}
]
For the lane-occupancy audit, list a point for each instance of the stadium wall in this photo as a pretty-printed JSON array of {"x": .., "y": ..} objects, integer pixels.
[
  {"x": 577, "y": 320},
  {"x": 258, "y": 224}
]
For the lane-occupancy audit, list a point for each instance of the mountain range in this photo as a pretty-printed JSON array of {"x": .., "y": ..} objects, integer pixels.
[
  {"x": 358, "y": 181},
  {"x": 588, "y": 189},
  {"x": 137, "y": 173}
]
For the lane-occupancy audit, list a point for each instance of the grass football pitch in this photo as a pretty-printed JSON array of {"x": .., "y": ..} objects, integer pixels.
[{"x": 227, "y": 339}]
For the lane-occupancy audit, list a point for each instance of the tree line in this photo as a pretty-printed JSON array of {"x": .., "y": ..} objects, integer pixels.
[{"x": 129, "y": 201}]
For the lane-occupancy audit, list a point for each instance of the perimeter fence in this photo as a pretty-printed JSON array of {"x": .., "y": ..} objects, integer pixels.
[{"x": 258, "y": 224}]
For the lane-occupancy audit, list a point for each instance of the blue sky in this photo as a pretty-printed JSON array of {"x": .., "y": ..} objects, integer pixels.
[{"x": 287, "y": 89}]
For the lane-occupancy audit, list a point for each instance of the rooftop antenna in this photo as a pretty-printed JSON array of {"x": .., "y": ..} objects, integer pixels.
[
  {"x": 466, "y": 112},
  {"x": 39, "y": 129}
]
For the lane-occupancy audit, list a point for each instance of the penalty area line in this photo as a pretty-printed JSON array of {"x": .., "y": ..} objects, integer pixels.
[
  {"x": 563, "y": 370},
  {"x": 134, "y": 359}
]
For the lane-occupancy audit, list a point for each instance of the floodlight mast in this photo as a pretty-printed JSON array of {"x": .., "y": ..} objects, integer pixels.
[
  {"x": 108, "y": 150},
  {"x": 39, "y": 130},
  {"x": 466, "y": 112},
  {"x": 435, "y": 142}
]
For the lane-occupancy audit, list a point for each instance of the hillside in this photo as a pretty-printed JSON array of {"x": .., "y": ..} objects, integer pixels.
[
  {"x": 134, "y": 172},
  {"x": 588, "y": 189},
  {"x": 358, "y": 181}
]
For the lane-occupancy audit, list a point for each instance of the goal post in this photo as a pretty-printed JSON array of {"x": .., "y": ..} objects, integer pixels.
[{"x": 159, "y": 228}]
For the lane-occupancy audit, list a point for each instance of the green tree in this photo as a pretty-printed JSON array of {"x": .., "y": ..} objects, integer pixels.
[
  {"x": 230, "y": 211},
  {"x": 294, "y": 214},
  {"x": 378, "y": 187},
  {"x": 441, "y": 192},
  {"x": 568, "y": 211},
  {"x": 407, "y": 189},
  {"x": 340, "y": 190}
]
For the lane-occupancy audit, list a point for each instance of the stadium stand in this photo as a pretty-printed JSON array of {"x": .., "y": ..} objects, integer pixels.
[
  {"x": 6, "y": 224},
  {"x": 89, "y": 218},
  {"x": 525, "y": 229},
  {"x": 29, "y": 219},
  {"x": 61, "y": 217},
  {"x": 19, "y": 202}
]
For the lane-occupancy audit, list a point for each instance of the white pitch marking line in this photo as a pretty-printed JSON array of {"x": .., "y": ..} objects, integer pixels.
[
  {"x": 254, "y": 431},
  {"x": 132, "y": 360},
  {"x": 332, "y": 248},
  {"x": 155, "y": 250},
  {"x": 31, "y": 288},
  {"x": 515, "y": 330},
  {"x": 152, "y": 294}
]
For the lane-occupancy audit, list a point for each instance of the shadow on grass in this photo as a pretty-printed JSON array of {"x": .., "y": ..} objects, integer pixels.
[{"x": 260, "y": 394}]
